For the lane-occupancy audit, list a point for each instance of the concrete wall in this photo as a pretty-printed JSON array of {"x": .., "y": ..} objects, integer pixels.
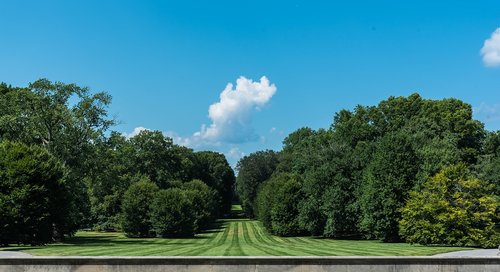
[{"x": 243, "y": 264}]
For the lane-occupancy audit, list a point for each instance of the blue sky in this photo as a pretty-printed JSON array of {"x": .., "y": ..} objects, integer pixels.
[{"x": 166, "y": 62}]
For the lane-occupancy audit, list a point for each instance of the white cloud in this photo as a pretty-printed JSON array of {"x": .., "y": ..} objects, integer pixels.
[
  {"x": 136, "y": 131},
  {"x": 491, "y": 50},
  {"x": 487, "y": 112},
  {"x": 231, "y": 119},
  {"x": 231, "y": 116},
  {"x": 235, "y": 153}
]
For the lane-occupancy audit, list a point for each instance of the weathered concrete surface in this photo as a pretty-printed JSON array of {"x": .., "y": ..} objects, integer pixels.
[
  {"x": 8, "y": 254},
  {"x": 471, "y": 253},
  {"x": 243, "y": 264}
]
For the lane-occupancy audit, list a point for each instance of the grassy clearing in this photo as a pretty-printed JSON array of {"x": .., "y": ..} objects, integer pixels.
[{"x": 231, "y": 237}]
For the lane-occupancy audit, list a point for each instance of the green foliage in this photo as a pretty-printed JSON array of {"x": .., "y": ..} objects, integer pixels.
[
  {"x": 108, "y": 181},
  {"x": 215, "y": 171},
  {"x": 203, "y": 203},
  {"x": 489, "y": 170},
  {"x": 389, "y": 178},
  {"x": 487, "y": 167},
  {"x": 154, "y": 156},
  {"x": 150, "y": 154},
  {"x": 180, "y": 211},
  {"x": 264, "y": 202},
  {"x": 253, "y": 170},
  {"x": 278, "y": 204},
  {"x": 65, "y": 119},
  {"x": 348, "y": 180},
  {"x": 358, "y": 174},
  {"x": 136, "y": 205},
  {"x": 328, "y": 182},
  {"x": 33, "y": 196},
  {"x": 293, "y": 147},
  {"x": 71, "y": 123},
  {"x": 452, "y": 208},
  {"x": 436, "y": 154},
  {"x": 173, "y": 213}
]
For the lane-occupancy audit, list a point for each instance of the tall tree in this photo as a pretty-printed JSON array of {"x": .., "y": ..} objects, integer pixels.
[
  {"x": 214, "y": 170},
  {"x": 253, "y": 170},
  {"x": 154, "y": 156},
  {"x": 389, "y": 179},
  {"x": 488, "y": 166},
  {"x": 109, "y": 179}
]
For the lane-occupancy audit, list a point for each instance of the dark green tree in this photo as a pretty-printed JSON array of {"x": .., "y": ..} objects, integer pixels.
[
  {"x": 293, "y": 146},
  {"x": 154, "y": 156},
  {"x": 173, "y": 213},
  {"x": 488, "y": 166},
  {"x": 33, "y": 195},
  {"x": 137, "y": 206},
  {"x": 278, "y": 204},
  {"x": 109, "y": 179},
  {"x": 253, "y": 170},
  {"x": 389, "y": 178},
  {"x": 67, "y": 120},
  {"x": 214, "y": 170},
  {"x": 203, "y": 203}
]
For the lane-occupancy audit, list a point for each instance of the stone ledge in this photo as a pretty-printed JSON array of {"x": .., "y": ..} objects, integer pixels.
[{"x": 247, "y": 260}]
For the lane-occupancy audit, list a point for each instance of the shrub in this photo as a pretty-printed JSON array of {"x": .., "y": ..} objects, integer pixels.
[
  {"x": 172, "y": 214},
  {"x": 278, "y": 204},
  {"x": 203, "y": 201},
  {"x": 32, "y": 195},
  {"x": 451, "y": 209},
  {"x": 136, "y": 208}
]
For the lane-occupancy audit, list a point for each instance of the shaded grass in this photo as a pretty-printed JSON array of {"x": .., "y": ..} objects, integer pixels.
[{"x": 228, "y": 237}]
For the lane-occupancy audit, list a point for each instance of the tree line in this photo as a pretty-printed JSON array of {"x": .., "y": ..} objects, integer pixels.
[
  {"x": 408, "y": 169},
  {"x": 63, "y": 169}
]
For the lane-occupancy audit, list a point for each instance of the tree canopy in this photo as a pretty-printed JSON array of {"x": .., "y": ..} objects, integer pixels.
[
  {"x": 108, "y": 178},
  {"x": 356, "y": 176}
]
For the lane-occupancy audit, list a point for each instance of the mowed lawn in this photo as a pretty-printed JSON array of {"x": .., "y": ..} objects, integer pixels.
[{"x": 233, "y": 237}]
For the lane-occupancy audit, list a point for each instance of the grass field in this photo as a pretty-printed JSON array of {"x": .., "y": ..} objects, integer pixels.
[{"x": 234, "y": 237}]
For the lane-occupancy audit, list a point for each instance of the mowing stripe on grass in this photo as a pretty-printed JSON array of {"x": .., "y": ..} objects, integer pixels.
[
  {"x": 230, "y": 237},
  {"x": 249, "y": 241},
  {"x": 234, "y": 248},
  {"x": 257, "y": 234}
]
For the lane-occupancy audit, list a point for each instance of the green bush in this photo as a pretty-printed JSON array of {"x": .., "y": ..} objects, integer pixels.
[
  {"x": 278, "y": 204},
  {"x": 136, "y": 208},
  {"x": 32, "y": 195},
  {"x": 451, "y": 209},
  {"x": 203, "y": 200},
  {"x": 264, "y": 202},
  {"x": 172, "y": 213}
]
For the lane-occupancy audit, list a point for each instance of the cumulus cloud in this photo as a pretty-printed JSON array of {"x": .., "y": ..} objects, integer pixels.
[
  {"x": 231, "y": 116},
  {"x": 231, "y": 119},
  {"x": 136, "y": 131},
  {"x": 491, "y": 50}
]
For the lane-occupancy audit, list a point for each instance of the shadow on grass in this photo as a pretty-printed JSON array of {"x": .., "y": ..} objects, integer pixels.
[
  {"x": 19, "y": 248},
  {"x": 106, "y": 239},
  {"x": 235, "y": 214}
]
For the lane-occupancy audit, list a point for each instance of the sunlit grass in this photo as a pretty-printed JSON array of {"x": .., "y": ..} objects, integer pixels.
[{"x": 230, "y": 237}]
